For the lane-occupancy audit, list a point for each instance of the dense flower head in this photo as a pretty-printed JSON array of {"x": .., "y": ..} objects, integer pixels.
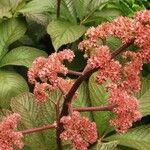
[
  {"x": 126, "y": 109},
  {"x": 47, "y": 69},
  {"x": 40, "y": 91},
  {"x": 88, "y": 46},
  {"x": 101, "y": 57},
  {"x": 122, "y": 27},
  {"x": 8, "y": 134},
  {"x": 125, "y": 75},
  {"x": 45, "y": 73},
  {"x": 79, "y": 130},
  {"x": 141, "y": 34},
  {"x": 145, "y": 54},
  {"x": 111, "y": 71},
  {"x": 143, "y": 16}
]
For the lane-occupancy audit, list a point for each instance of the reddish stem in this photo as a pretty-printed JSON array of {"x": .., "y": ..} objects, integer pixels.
[
  {"x": 38, "y": 129},
  {"x": 96, "y": 108},
  {"x": 76, "y": 73}
]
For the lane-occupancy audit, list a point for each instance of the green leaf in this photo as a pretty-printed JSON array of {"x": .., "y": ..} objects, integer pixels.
[
  {"x": 105, "y": 146},
  {"x": 95, "y": 4},
  {"x": 124, "y": 7},
  {"x": 99, "y": 96},
  {"x": 21, "y": 56},
  {"x": 81, "y": 7},
  {"x": 40, "y": 18},
  {"x": 37, "y": 6},
  {"x": 83, "y": 99},
  {"x": 113, "y": 43},
  {"x": 26, "y": 106},
  {"x": 120, "y": 147},
  {"x": 10, "y": 31},
  {"x": 47, "y": 115},
  {"x": 63, "y": 32},
  {"x": 67, "y": 10},
  {"x": 8, "y": 7},
  {"x": 144, "y": 97},
  {"x": 11, "y": 85},
  {"x": 138, "y": 138},
  {"x": 108, "y": 13}
]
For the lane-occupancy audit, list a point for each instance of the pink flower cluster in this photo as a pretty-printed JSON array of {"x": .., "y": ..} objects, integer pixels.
[
  {"x": 8, "y": 136},
  {"x": 126, "y": 110},
  {"x": 79, "y": 130},
  {"x": 46, "y": 73},
  {"x": 124, "y": 77}
]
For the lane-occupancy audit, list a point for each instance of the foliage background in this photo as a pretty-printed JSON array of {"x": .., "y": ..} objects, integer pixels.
[{"x": 32, "y": 28}]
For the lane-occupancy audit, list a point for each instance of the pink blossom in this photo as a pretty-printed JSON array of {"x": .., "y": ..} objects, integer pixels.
[
  {"x": 126, "y": 111},
  {"x": 145, "y": 54},
  {"x": 143, "y": 16},
  {"x": 100, "y": 58},
  {"x": 45, "y": 73},
  {"x": 8, "y": 134},
  {"x": 40, "y": 91},
  {"x": 131, "y": 72},
  {"x": 142, "y": 33},
  {"x": 111, "y": 71},
  {"x": 122, "y": 27},
  {"x": 79, "y": 130},
  {"x": 47, "y": 69},
  {"x": 36, "y": 66}
]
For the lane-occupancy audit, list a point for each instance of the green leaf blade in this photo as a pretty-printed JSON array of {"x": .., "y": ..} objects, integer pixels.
[
  {"x": 63, "y": 32},
  {"x": 99, "y": 96},
  {"x": 26, "y": 106},
  {"x": 10, "y": 31},
  {"x": 11, "y": 85},
  {"x": 138, "y": 138},
  {"x": 22, "y": 56},
  {"x": 144, "y": 97},
  {"x": 105, "y": 146}
]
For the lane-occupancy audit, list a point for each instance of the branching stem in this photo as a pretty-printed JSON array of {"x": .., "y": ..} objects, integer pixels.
[
  {"x": 38, "y": 129},
  {"x": 96, "y": 108}
]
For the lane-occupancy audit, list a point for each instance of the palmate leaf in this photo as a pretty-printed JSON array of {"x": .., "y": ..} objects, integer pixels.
[
  {"x": 11, "y": 85},
  {"x": 67, "y": 10},
  {"x": 37, "y": 11},
  {"x": 39, "y": 18},
  {"x": 63, "y": 32},
  {"x": 138, "y": 138},
  {"x": 26, "y": 106},
  {"x": 81, "y": 7},
  {"x": 34, "y": 115},
  {"x": 99, "y": 96},
  {"x": 7, "y": 7},
  {"x": 108, "y": 13},
  {"x": 83, "y": 99},
  {"x": 95, "y": 4},
  {"x": 21, "y": 56},
  {"x": 144, "y": 97},
  {"x": 10, "y": 31},
  {"x": 38, "y": 6},
  {"x": 105, "y": 146},
  {"x": 47, "y": 115}
]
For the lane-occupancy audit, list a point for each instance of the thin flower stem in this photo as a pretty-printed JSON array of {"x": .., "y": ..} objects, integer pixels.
[
  {"x": 122, "y": 48},
  {"x": 62, "y": 90},
  {"x": 76, "y": 73},
  {"x": 96, "y": 108},
  {"x": 58, "y": 8},
  {"x": 38, "y": 129},
  {"x": 58, "y": 140}
]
